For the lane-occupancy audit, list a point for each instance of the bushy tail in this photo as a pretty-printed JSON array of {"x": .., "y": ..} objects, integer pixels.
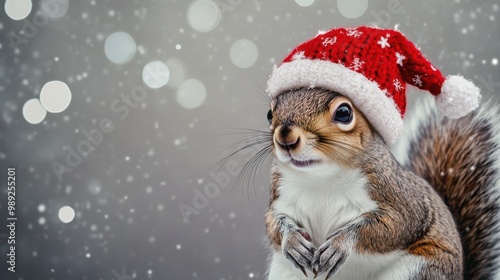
[{"x": 461, "y": 159}]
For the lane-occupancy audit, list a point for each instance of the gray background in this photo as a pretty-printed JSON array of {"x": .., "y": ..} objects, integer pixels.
[{"x": 128, "y": 216}]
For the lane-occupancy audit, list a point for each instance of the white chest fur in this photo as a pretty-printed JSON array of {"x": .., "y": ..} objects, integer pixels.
[{"x": 322, "y": 204}]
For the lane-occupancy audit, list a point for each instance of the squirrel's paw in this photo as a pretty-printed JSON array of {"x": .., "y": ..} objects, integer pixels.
[
  {"x": 331, "y": 255},
  {"x": 298, "y": 249}
]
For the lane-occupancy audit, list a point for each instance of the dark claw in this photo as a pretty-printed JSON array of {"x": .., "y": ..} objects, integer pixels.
[
  {"x": 327, "y": 260},
  {"x": 297, "y": 265},
  {"x": 303, "y": 271},
  {"x": 335, "y": 267},
  {"x": 299, "y": 250}
]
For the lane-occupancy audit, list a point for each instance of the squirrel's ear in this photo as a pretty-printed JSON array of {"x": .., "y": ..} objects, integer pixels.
[{"x": 458, "y": 97}]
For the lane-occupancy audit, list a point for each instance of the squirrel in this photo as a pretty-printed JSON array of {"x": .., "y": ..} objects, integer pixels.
[{"x": 341, "y": 205}]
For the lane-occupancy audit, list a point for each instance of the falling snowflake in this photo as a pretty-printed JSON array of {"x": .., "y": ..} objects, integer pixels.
[
  {"x": 383, "y": 41},
  {"x": 299, "y": 55},
  {"x": 356, "y": 64},
  {"x": 397, "y": 85},
  {"x": 329, "y": 41},
  {"x": 400, "y": 58},
  {"x": 353, "y": 32},
  {"x": 417, "y": 80}
]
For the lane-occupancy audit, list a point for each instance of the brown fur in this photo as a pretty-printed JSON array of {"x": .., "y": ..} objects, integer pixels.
[
  {"x": 455, "y": 156},
  {"x": 411, "y": 216},
  {"x": 313, "y": 123},
  {"x": 272, "y": 227}
]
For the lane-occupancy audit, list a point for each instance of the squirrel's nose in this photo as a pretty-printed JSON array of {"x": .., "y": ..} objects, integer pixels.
[
  {"x": 286, "y": 139},
  {"x": 289, "y": 142}
]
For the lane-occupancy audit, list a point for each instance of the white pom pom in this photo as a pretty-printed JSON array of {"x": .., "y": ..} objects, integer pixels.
[{"x": 458, "y": 97}]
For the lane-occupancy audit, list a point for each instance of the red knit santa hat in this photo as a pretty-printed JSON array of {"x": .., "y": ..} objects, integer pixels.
[{"x": 372, "y": 66}]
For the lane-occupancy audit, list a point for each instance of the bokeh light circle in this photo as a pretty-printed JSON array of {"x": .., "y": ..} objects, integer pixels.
[
  {"x": 120, "y": 47},
  {"x": 66, "y": 214},
  {"x": 55, "y": 96},
  {"x": 191, "y": 94},
  {"x": 243, "y": 53},
  {"x": 155, "y": 74},
  {"x": 33, "y": 111},
  {"x": 304, "y": 3},
  {"x": 18, "y": 9},
  {"x": 352, "y": 8},
  {"x": 204, "y": 15}
]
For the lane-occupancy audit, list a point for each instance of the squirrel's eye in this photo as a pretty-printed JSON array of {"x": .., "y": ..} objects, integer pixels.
[
  {"x": 270, "y": 117},
  {"x": 343, "y": 114}
]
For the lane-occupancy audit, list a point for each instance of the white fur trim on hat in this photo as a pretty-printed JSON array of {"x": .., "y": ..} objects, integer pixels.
[
  {"x": 380, "y": 110},
  {"x": 458, "y": 97}
]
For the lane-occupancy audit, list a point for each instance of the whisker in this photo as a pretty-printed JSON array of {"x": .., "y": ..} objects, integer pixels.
[
  {"x": 263, "y": 92},
  {"x": 338, "y": 158},
  {"x": 329, "y": 146},
  {"x": 246, "y": 131},
  {"x": 224, "y": 160},
  {"x": 249, "y": 171},
  {"x": 253, "y": 163},
  {"x": 250, "y": 140},
  {"x": 344, "y": 146}
]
